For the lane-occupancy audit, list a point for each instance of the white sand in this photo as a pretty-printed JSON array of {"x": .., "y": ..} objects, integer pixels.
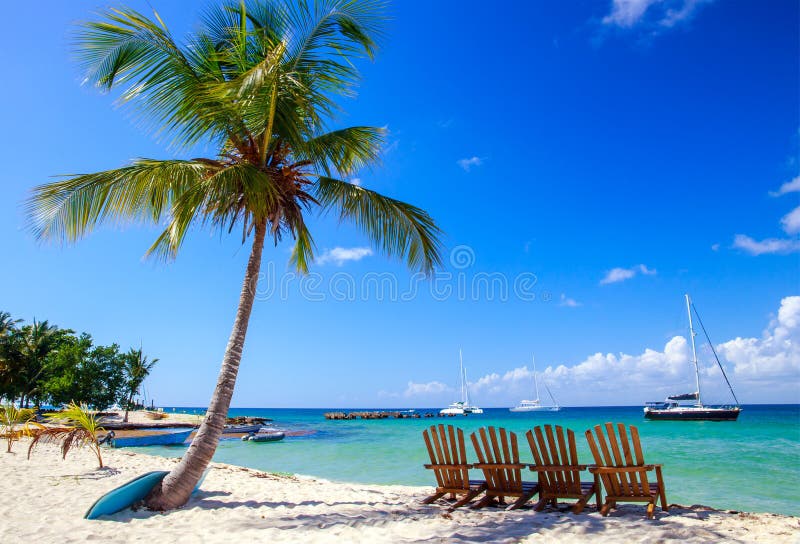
[{"x": 43, "y": 500}]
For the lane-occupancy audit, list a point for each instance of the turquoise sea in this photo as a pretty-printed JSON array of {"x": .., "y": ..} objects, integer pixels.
[{"x": 752, "y": 464}]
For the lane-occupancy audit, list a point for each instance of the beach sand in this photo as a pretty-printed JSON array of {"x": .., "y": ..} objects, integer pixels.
[{"x": 44, "y": 500}]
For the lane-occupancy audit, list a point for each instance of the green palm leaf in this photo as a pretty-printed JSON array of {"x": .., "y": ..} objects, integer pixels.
[{"x": 399, "y": 229}]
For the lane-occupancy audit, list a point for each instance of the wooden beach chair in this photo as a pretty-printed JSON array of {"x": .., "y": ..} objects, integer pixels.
[
  {"x": 499, "y": 461},
  {"x": 449, "y": 464},
  {"x": 621, "y": 468},
  {"x": 556, "y": 465}
]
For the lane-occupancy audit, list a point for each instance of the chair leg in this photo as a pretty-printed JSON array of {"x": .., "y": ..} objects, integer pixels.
[
  {"x": 481, "y": 503},
  {"x": 580, "y": 505},
  {"x": 539, "y": 506},
  {"x": 598, "y": 492},
  {"x": 651, "y": 507},
  {"x": 465, "y": 499},
  {"x": 663, "y": 494},
  {"x": 432, "y": 498},
  {"x": 606, "y": 508},
  {"x": 520, "y": 501}
]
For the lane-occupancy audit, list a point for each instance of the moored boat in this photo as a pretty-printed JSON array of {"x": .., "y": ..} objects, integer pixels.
[
  {"x": 536, "y": 405},
  {"x": 264, "y": 435},
  {"x": 672, "y": 410},
  {"x": 238, "y": 429},
  {"x": 154, "y": 438},
  {"x": 462, "y": 407}
]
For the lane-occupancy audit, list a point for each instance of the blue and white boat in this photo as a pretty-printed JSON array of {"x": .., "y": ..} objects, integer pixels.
[{"x": 154, "y": 438}]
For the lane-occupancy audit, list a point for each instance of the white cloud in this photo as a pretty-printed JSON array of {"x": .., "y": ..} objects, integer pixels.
[
  {"x": 568, "y": 302},
  {"x": 468, "y": 164},
  {"x": 340, "y": 255},
  {"x": 626, "y": 13},
  {"x": 715, "y": 247},
  {"x": 765, "y": 369},
  {"x": 616, "y": 275},
  {"x": 766, "y": 246},
  {"x": 660, "y": 13},
  {"x": 792, "y": 186},
  {"x": 791, "y": 221},
  {"x": 356, "y": 181},
  {"x": 430, "y": 388},
  {"x": 776, "y": 355}
]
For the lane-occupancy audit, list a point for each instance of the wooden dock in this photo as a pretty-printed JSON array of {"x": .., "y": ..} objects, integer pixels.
[{"x": 377, "y": 415}]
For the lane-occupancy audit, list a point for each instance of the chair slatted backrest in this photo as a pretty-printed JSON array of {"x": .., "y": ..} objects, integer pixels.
[
  {"x": 499, "y": 447},
  {"x": 617, "y": 452},
  {"x": 556, "y": 449},
  {"x": 446, "y": 448}
]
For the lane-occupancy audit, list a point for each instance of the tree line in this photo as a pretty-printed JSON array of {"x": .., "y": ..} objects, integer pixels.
[{"x": 43, "y": 364}]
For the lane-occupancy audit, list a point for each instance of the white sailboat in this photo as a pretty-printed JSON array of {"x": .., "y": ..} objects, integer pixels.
[
  {"x": 536, "y": 405},
  {"x": 672, "y": 409},
  {"x": 462, "y": 407}
]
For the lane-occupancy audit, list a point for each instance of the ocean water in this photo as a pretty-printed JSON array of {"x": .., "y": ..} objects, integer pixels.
[{"x": 752, "y": 464}]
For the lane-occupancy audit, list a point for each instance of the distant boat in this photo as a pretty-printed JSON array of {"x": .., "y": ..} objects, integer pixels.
[
  {"x": 671, "y": 409},
  {"x": 462, "y": 407},
  {"x": 536, "y": 405},
  {"x": 156, "y": 438}
]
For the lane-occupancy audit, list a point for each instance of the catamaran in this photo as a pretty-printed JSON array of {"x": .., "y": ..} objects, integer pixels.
[
  {"x": 536, "y": 405},
  {"x": 462, "y": 407},
  {"x": 671, "y": 409}
]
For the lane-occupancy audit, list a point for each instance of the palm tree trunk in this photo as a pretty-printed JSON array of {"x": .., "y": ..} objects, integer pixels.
[
  {"x": 177, "y": 486},
  {"x": 127, "y": 407}
]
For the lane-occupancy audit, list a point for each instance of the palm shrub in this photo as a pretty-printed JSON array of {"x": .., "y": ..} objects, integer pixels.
[
  {"x": 74, "y": 427},
  {"x": 16, "y": 423},
  {"x": 259, "y": 80}
]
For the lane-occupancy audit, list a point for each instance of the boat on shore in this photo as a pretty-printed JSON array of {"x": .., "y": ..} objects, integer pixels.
[
  {"x": 147, "y": 438},
  {"x": 672, "y": 409},
  {"x": 462, "y": 407},
  {"x": 536, "y": 405}
]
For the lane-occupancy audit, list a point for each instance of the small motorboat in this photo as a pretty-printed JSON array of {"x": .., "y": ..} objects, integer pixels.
[
  {"x": 264, "y": 434},
  {"x": 238, "y": 429}
]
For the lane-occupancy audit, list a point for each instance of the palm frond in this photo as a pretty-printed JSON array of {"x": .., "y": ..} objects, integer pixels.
[
  {"x": 397, "y": 228},
  {"x": 303, "y": 250},
  {"x": 347, "y": 150},
  {"x": 75, "y": 427},
  {"x": 70, "y": 208}
]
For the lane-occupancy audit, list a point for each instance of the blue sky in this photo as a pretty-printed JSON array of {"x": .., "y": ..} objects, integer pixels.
[{"x": 604, "y": 157}]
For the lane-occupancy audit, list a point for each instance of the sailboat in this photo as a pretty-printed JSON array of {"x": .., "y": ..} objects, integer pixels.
[
  {"x": 462, "y": 407},
  {"x": 536, "y": 405},
  {"x": 672, "y": 409}
]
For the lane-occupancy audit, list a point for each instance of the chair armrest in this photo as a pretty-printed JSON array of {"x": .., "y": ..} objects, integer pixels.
[
  {"x": 499, "y": 466},
  {"x": 448, "y": 467},
  {"x": 618, "y": 470},
  {"x": 556, "y": 468}
]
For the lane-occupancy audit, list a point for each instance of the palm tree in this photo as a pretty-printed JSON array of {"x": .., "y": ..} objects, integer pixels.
[
  {"x": 36, "y": 342},
  {"x": 136, "y": 368},
  {"x": 74, "y": 427},
  {"x": 258, "y": 80}
]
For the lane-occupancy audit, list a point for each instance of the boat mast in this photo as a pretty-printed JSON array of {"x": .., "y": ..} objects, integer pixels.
[
  {"x": 461, "y": 377},
  {"x": 535, "y": 382},
  {"x": 694, "y": 349}
]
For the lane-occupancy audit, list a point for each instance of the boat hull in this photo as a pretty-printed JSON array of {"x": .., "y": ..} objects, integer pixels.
[
  {"x": 534, "y": 409},
  {"x": 694, "y": 414},
  {"x": 155, "y": 439},
  {"x": 238, "y": 429}
]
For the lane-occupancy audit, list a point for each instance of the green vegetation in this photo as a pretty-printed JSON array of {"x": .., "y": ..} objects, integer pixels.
[
  {"x": 44, "y": 364},
  {"x": 259, "y": 81},
  {"x": 16, "y": 423},
  {"x": 74, "y": 427}
]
